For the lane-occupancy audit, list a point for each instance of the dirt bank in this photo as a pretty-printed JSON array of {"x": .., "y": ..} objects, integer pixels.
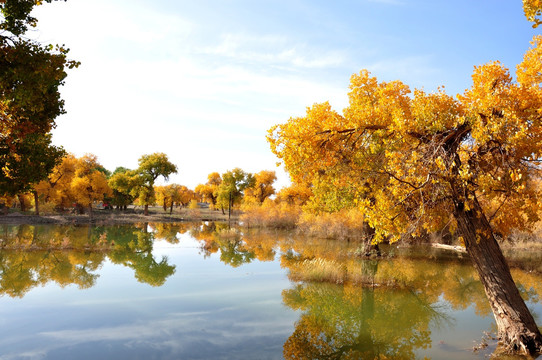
[{"x": 112, "y": 217}]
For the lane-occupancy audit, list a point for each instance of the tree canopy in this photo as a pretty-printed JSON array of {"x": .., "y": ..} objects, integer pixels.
[
  {"x": 262, "y": 187},
  {"x": 150, "y": 168},
  {"x": 401, "y": 154},
  {"x": 533, "y": 11},
  {"x": 232, "y": 188}
]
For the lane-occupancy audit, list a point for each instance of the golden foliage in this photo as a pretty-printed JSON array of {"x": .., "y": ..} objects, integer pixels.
[
  {"x": 407, "y": 160},
  {"x": 295, "y": 194},
  {"x": 89, "y": 183},
  {"x": 208, "y": 191},
  {"x": 56, "y": 189},
  {"x": 262, "y": 187},
  {"x": 533, "y": 11}
]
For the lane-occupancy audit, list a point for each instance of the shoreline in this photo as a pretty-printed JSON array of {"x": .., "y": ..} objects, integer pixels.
[{"x": 116, "y": 217}]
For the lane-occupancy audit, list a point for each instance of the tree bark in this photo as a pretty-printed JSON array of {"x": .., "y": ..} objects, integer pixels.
[
  {"x": 22, "y": 202},
  {"x": 146, "y": 209},
  {"x": 517, "y": 329},
  {"x": 36, "y": 203}
]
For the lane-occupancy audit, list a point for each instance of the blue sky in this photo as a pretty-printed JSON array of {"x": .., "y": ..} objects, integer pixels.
[{"x": 202, "y": 81}]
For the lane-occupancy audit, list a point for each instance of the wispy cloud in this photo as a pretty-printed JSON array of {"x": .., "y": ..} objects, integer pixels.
[
  {"x": 273, "y": 50},
  {"x": 180, "y": 334}
]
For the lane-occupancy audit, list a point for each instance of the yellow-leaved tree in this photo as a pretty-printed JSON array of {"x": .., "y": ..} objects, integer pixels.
[
  {"x": 150, "y": 168},
  {"x": 262, "y": 187},
  {"x": 56, "y": 189},
  {"x": 208, "y": 190},
  {"x": 89, "y": 183},
  {"x": 169, "y": 195},
  {"x": 416, "y": 162}
]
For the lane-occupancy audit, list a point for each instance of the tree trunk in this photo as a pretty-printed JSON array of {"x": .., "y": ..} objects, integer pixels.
[
  {"x": 21, "y": 201},
  {"x": 229, "y": 207},
  {"x": 517, "y": 329},
  {"x": 146, "y": 209},
  {"x": 36, "y": 203},
  {"x": 171, "y": 208}
]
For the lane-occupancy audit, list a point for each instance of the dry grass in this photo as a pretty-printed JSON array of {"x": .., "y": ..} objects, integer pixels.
[
  {"x": 529, "y": 241},
  {"x": 271, "y": 215},
  {"x": 345, "y": 224}
]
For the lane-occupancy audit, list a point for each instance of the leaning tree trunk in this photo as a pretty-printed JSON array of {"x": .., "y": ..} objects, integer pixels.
[{"x": 517, "y": 329}]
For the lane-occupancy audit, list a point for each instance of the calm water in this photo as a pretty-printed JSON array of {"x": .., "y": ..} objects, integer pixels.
[{"x": 201, "y": 291}]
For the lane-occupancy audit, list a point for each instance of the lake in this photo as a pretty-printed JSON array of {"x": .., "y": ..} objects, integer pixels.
[{"x": 207, "y": 291}]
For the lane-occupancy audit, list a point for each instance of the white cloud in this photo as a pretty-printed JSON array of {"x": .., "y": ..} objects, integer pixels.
[
  {"x": 274, "y": 50},
  {"x": 121, "y": 110},
  {"x": 88, "y": 23},
  {"x": 151, "y": 81},
  {"x": 177, "y": 334}
]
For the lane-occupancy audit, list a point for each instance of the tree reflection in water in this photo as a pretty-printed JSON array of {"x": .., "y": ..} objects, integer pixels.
[
  {"x": 349, "y": 307},
  {"x": 33, "y": 255},
  {"x": 353, "y": 308},
  {"x": 357, "y": 323}
]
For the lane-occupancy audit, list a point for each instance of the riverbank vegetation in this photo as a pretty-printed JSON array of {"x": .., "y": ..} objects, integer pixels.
[{"x": 82, "y": 185}]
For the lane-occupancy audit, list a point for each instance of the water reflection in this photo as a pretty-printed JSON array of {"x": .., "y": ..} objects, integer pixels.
[
  {"x": 358, "y": 323},
  {"x": 353, "y": 307},
  {"x": 348, "y": 307},
  {"x": 33, "y": 255}
]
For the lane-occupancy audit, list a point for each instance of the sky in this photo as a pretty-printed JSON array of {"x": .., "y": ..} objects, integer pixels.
[{"x": 203, "y": 81}]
